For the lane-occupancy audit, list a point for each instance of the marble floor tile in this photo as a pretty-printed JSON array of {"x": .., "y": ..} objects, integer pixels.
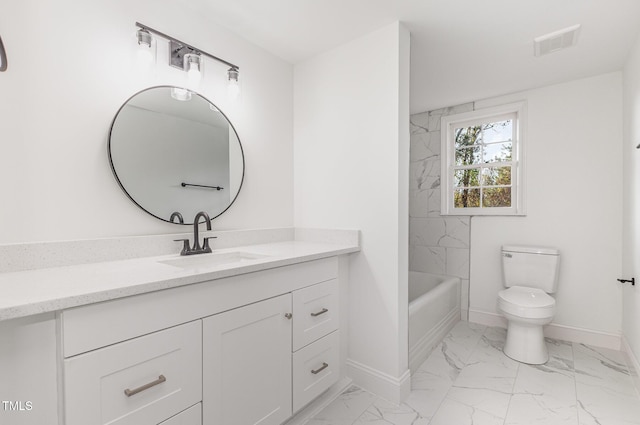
[
  {"x": 383, "y": 412},
  {"x": 533, "y": 409},
  {"x": 463, "y": 339},
  {"x": 426, "y": 402},
  {"x": 467, "y": 379},
  {"x": 441, "y": 368},
  {"x": 488, "y": 367},
  {"x": 545, "y": 393},
  {"x": 603, "y": 367},
  {"x": 605, "y": 409},
  {"x": 553, "y": 379},
  {"x": 560, "y": 355},
  {"x": 473, "y": 406},
  {"x": 455, "y": 412},
  {"x": 344, "y": 410},
  {"x": 432, "y": 380}
]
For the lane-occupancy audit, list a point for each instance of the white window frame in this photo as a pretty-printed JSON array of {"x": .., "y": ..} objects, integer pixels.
[{"x": 492, "y": 114}]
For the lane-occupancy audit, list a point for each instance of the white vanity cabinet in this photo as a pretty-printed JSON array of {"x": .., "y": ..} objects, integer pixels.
[{"x": 247, "y": 349}]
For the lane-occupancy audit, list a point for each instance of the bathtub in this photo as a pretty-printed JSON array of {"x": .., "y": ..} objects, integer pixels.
[{"x": 434, "y": 308}]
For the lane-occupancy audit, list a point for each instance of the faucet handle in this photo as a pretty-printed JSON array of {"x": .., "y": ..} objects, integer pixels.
[
  {"x": 206, "y": 246},
  {"x": 185, "y": 246}
]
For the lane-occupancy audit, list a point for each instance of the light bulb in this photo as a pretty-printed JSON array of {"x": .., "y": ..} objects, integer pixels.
[
  {"x": 193, "y": 67},
  {"x": 194, "y": 74},
  {"x": 145, "y": 48},
  {"x": 233, "y": 88}
]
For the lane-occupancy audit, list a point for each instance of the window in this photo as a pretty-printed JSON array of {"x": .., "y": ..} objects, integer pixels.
[{"x": 482, "y": 162}]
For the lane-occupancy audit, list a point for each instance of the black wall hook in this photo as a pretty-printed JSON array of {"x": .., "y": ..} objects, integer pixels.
[{"x": 632, "y": 280}]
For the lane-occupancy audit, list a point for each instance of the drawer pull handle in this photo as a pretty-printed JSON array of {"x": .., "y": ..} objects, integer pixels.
[
  {"x": 160, "y": 380},
  {"x": 320, "y": 369},
  {"x": 323, "y": 311}
]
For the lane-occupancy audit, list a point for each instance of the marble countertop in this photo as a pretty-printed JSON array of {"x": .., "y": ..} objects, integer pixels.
[{"x": 30, "y": 292}]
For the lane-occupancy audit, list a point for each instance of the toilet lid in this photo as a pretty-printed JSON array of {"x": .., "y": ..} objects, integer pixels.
[{"x": 527, "y": 297}]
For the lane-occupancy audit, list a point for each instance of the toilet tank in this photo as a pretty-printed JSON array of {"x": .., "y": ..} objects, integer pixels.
[{"x": 531, "y": 266}]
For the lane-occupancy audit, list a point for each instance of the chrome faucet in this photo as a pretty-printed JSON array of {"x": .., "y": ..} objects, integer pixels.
[{"x": 197, "y": 249}]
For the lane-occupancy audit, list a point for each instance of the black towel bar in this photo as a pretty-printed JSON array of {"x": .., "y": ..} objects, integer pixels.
[
  {"x": 201, "y": 185},
  {"x": 632, "y": 281}
]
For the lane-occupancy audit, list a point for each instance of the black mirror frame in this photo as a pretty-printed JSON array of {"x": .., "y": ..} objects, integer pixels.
[
  {"x": 3, "y": 57},
  {"x": 115, "y": 174}
]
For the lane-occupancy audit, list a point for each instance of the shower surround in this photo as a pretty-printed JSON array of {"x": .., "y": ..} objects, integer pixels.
[{"x": 437, "y": 244}]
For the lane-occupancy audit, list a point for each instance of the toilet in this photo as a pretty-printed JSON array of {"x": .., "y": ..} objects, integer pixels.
[{"x": 530, "y": 274}]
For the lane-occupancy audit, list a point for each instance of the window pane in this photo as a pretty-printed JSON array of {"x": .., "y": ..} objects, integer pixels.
[
  {"x": 466, "y": 198},
  {"x": 500, "y": 131},
  {"x": 496, "y": 197},
  {"x": 466, "y": 178},
  {"x": 469, "y": 156},
  {"x": 498, "y": 152},
  {"x": 492, "y": 176},
  {"x": 467, "y": 136}
]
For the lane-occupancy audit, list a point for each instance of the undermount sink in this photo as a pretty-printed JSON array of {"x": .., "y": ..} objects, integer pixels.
[{"x": 212, "y": 260}]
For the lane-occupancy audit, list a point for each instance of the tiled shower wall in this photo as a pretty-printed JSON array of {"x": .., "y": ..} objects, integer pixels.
[{"x": 437, "y": 244}]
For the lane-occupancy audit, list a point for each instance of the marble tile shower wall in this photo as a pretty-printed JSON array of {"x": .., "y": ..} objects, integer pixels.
[{"x": 437, "y": 244}]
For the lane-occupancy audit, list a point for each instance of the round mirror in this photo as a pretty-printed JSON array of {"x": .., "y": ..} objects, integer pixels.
[{"x": 171, "y": 150}]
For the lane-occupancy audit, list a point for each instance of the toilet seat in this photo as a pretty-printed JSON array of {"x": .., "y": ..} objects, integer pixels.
[{"x": 527, "y": 303}]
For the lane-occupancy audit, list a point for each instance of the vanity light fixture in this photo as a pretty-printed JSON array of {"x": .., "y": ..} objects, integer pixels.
[
  {"x": 233, "y": 88},
  {"x": 180, "y": 94},
  {"x": 187, "y": 57},
  {"x": 145, "y": 54}
]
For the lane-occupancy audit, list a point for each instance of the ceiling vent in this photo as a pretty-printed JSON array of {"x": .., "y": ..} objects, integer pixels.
[{"x": 556, "y": 40}]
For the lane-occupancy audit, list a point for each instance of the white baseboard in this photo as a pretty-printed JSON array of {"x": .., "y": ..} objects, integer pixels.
[
  {"x": 487, "y": 319},
  {"x": 632, "y": 362},
  {"x": 555, "y": 331},
  {"x": 419, "y": 353},
  {"x": 379, "y": 383},
  {"x": 322, "y": 401}
]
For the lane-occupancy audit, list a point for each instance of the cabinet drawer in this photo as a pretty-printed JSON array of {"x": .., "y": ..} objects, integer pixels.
[
  {"x": 315, "y": 369},
  {"x": 191, "y": 416},
  {"x": 141, "y": 381},
  {"x": 315, "y": 312}
]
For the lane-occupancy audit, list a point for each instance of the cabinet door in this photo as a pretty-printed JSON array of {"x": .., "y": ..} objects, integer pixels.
[{"x": 247, "y": 364}]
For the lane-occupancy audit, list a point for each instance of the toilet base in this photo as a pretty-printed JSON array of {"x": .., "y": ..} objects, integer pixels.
[{"x": 525, "y": 343}]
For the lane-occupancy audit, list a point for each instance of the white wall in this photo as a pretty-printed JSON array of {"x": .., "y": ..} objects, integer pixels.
[
  {"x": 351, "y": 161},
  {"x": 71, "y": 66},
  {"x": 631, "y": 234},
  {"x": 28, "y": 366},
  {"x": 574, "y": 202}
]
